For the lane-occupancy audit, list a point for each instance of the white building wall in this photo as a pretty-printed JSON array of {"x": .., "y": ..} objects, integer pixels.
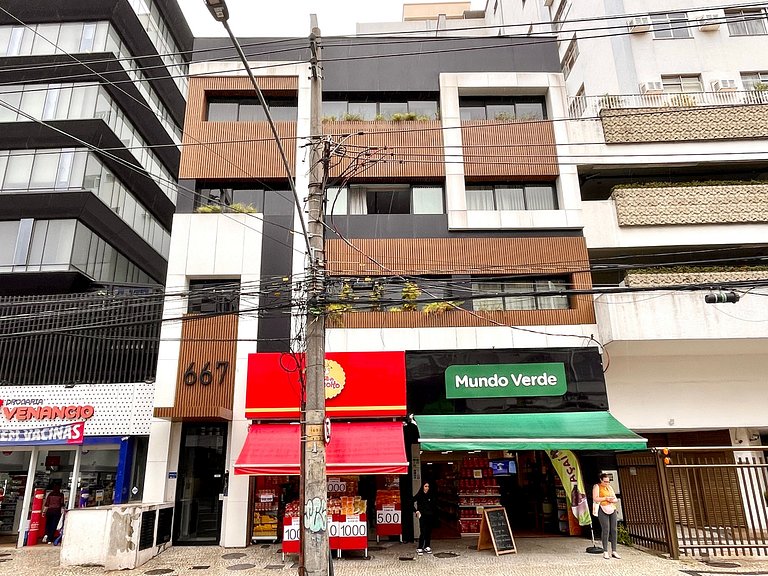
[
  {"x": 671, "y": 387},
  {"x": 612, "y": 61},
  {"x": 463, "y": 338}
]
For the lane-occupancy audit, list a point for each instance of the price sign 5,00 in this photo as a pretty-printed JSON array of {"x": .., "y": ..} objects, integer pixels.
[{"x": 387, "y": 516}]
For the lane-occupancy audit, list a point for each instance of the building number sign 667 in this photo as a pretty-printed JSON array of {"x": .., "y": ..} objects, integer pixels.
[{"x": 205, "y": 375}]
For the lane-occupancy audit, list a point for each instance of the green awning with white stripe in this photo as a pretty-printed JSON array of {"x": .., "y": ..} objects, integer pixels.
[{"x": 545, "y": 431}]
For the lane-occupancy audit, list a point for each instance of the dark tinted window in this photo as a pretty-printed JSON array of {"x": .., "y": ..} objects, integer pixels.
[
  {"x": 237, "y": 109},
  {"x": 213, "y": 296},
  {"x": 502, "y": 108}
]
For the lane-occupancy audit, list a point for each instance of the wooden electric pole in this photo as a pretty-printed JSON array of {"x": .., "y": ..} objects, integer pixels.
[{"x": 314, "y": 538}]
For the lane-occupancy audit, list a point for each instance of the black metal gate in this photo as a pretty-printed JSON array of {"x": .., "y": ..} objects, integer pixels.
[
  {"x": 702, "y": 501},
  {"x": 643, "y": 501}
]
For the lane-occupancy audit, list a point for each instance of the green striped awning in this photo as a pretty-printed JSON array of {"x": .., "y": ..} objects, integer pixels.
[{"x": 530, "y": 431}]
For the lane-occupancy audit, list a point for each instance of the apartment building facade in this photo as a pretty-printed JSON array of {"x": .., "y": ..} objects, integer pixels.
[
  {"x": 667, "y": 123},
  {"x": 91, "y": 109},
  {"x": 446, "y": 184}
]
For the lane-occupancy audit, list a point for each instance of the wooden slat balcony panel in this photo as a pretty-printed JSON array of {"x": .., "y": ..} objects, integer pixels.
[
  {"x": 457, "y": 256},
  {"x": 393, "y": 145},
  {"x": 234, "y": 150},
  {"x": 204, "y": 340},
  {"x": 524, "y": 150},
  {"x": 462, "y": 318}
]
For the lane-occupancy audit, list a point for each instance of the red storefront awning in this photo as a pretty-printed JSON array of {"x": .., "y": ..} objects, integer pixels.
[{"x": 355, "y": 448}]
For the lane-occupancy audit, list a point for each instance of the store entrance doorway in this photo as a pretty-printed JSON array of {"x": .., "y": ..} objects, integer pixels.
[
  {"x": 524, "y": 483},
  {"x": 201, "y": 481}
]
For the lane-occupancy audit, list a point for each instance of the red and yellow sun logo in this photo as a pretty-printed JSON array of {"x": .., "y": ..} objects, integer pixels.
[{"x": 334, "y": 379}]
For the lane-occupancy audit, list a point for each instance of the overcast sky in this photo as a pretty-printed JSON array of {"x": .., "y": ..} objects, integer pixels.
[{"x": 257, "y": 18}]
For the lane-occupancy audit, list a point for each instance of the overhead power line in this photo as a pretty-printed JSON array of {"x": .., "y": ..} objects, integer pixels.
[{"x": 525, "y": 41}]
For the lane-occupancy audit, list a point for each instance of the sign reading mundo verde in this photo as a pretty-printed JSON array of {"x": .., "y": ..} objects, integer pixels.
[{"x": 505, "y": 380}]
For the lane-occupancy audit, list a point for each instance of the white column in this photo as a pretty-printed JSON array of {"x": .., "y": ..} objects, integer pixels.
[
  {"x": 157, "y": 461},
  {"x": 74, "y": 489},
  {"x": 28, "y": 493}
]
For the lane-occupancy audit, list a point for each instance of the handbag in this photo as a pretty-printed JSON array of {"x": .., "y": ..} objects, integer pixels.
[
  {"x": 595, "y": 508},
  {"x": 609, "y": 508}
]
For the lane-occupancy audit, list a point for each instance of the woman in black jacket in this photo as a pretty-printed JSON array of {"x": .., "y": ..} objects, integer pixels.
[{"x": 424, "y": 502}]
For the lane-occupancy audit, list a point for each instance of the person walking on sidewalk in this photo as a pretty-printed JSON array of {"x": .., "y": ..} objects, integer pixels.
[
  {"x": 604, "y": 496},
  {"x": 424, "y": 502},
  {"x": 54, "y": 502}
]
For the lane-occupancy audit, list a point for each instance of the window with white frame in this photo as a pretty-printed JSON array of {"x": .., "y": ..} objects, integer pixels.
[
  {"x": 539, "y": 196},
  {"x": 746, "y": 21},
  {"x": 678, "y": 83},
  {"x": 569, "y": 59},
  {"x": 754, "y": 80},
  {"x": 578, "y": 104},
  {"x": 670, "y": 25},
  {"x": 520, "y": 294},
  {"x": 557, "y": 20}
]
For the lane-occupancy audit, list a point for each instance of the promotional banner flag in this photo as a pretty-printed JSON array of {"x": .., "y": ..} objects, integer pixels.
[{"x": 567, "y": 467}]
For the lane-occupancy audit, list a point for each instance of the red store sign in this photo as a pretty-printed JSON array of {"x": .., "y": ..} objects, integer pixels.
[
  {"x": 18, "y": 410},
  {"x": 357, "y": 384}
]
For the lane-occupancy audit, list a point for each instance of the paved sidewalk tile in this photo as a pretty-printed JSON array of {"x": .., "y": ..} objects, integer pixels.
[{"x": 535, "y": 557}]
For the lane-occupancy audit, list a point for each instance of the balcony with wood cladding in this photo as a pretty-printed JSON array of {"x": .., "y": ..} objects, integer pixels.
[
  {"x": 234, "y": 149},
  {"x": 475, "y": 257},
  {"x": 509, "y": 149},
  {"x": 390, "y": 149}
]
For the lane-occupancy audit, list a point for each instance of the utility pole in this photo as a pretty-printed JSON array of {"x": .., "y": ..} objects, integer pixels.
[{"x": 314, "y": 538}]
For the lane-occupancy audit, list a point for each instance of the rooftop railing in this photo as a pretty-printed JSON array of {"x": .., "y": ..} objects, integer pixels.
[{"x": 591, "y": 106}]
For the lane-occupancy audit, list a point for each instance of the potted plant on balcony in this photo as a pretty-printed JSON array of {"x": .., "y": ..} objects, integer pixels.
[
  {"x": 682, "y": 101},
  {"x": 610, "y": 101},
  {"x": 440, "y": 307},
  {"x": 759, "y": 93},
  {"x": 410, "y": 293}
]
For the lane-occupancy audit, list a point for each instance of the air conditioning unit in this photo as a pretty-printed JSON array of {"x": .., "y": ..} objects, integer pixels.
[
  {"x": 724, "y": 85},
  {"x": 709, "y": 22},
  {"x": 639, "y": 24},
  {"x": 651, "y": 88}
]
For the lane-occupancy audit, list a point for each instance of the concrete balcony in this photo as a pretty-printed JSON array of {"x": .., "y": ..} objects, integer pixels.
[
  {"x": 673, "y": 128},
  {"x": 678, "y": 216},
  {"x": 679, "y": 316}
]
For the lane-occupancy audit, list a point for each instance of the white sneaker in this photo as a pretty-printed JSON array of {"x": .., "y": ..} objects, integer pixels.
[
  {"x": 428, "y": 550},
  {"x": 419, "y": 551},
  {"x": 616, "y": 555},
  {"x": 606, "y": 556}
]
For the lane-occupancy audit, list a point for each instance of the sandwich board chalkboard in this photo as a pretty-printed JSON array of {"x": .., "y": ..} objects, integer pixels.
[{"x": 495, "y": 531}]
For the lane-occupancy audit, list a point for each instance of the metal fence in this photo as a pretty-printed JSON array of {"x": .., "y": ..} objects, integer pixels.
[
  {"x": 590, "y": 106},
  {"x": 697, "y": 501},
  {"x": 79, "y": 338}
]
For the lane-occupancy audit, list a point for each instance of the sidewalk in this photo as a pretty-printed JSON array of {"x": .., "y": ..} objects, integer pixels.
[{"x": 536, "y": 556}]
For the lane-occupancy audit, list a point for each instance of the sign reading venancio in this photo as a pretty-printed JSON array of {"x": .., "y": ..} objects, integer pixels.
[
  {"x": 505, "y": 380},
  {"x": 35, "y": 410}
]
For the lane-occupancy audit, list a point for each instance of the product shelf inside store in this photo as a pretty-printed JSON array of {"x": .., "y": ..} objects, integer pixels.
[{"x": 480, "y": 495}]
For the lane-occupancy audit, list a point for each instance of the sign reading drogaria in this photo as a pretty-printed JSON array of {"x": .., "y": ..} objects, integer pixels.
[{"x": 505, "y": 380}]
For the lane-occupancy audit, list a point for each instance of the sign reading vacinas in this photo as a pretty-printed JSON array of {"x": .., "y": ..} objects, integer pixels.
[{"x": 505, "y": 380}]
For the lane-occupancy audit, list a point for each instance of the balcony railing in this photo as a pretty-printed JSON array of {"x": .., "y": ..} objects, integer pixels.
[{"x": 590, "y": 106}]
